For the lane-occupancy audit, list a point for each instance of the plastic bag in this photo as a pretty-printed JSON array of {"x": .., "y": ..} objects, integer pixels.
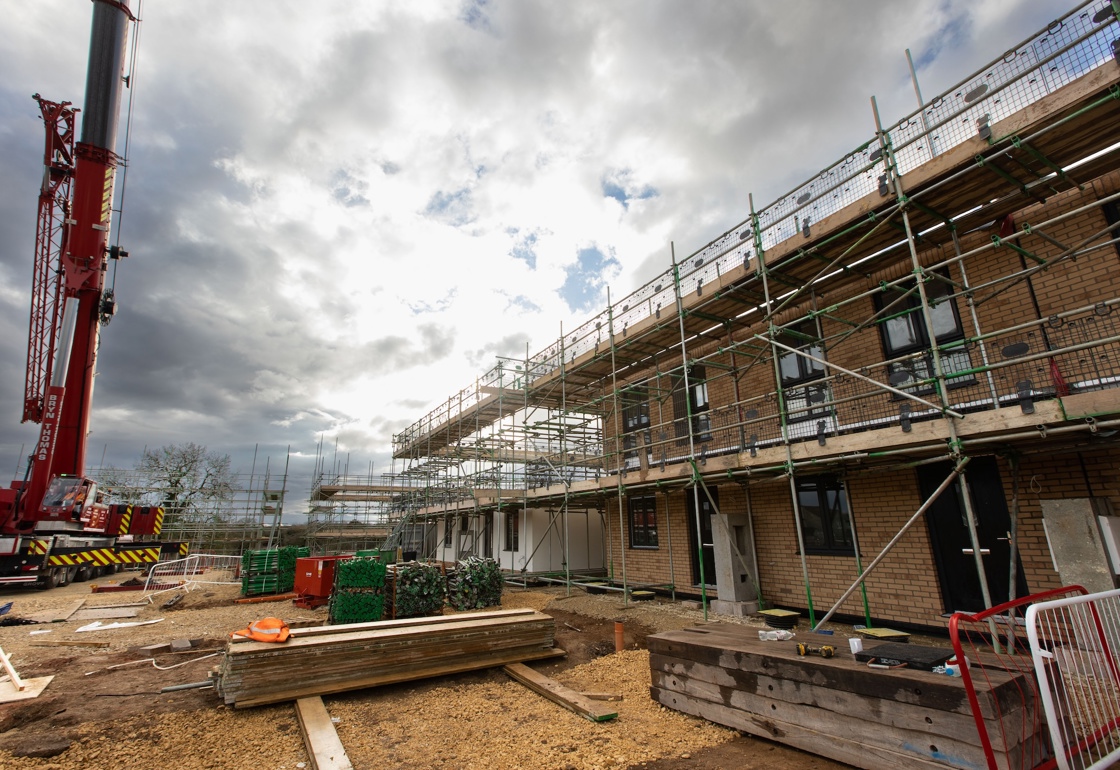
[{"x": 775, "y": 636}]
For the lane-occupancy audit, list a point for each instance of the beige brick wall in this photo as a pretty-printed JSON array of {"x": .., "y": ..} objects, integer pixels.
[{"x": 905, "y": 589}]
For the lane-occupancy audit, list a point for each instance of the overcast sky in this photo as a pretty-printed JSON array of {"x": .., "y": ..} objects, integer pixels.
[{"x": 339, "y": 213}]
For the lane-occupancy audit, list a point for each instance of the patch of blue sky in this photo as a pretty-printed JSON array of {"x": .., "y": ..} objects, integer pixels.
[
  {"x": 523, "y": 304},
  {"x": 587, "y": 279},
  {"x": 523, "y": 247},
  {"x": 474, "y": 14},
  {"x": 347, "y": 189},
  {"x": 620, "y": 186},
  {"x": 438, "y": 306},
  {"x": 451, "y": 208}
]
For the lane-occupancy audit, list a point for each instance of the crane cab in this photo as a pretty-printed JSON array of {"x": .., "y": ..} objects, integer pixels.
[{"x": 73, "y": 503}]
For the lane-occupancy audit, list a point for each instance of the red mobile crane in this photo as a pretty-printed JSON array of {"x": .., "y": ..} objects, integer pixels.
[{"x": 54, "y": 523}]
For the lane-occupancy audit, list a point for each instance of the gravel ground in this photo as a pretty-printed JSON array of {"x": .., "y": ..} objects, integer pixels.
[{"x": 478, "y": 720}]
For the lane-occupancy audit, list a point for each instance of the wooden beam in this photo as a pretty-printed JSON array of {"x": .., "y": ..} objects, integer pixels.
[
  {"x": 319, "y": 736},
  {"x": 559, "y": 694}
]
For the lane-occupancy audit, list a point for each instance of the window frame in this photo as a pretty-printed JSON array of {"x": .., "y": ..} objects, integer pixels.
[
  {"x": 924, "y": 342},
  {"x": 803, "y": 387},
  {"x": 821, "y": 485},
  {"x": 512, "y": 527},
  {"x": 697, "y": 404},
  {"x": 635, "y": 421},
  {"x": 644, "y": 506}
]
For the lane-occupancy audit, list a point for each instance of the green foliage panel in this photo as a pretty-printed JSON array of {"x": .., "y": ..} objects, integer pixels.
[
  {"x": 475, "y": 583},
  {"x": 419, "y": 590},
  {"x": 356, "y": 605},
  {"x": 360, "y": 573}
]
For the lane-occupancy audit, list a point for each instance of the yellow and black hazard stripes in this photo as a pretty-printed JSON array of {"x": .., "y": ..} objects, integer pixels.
[
  {"x": 125, "y": 521},
  {"x": 64, "y": 560},
  {"x": 39, "y": 547},
  {"x": 103, "y": 557},
  {"x": 184, "y": 549},
  {"x": 139, "y": 520},
  {"x": 138, "y": 555}
]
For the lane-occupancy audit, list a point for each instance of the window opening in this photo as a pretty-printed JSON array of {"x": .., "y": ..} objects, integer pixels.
[
  {"x": 643, "y": 522},
  {"x": 825, "y": 519},
  {"x": 904, "y": 334}
]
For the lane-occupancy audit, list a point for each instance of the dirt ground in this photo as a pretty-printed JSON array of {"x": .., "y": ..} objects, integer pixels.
[{"x": 104, "y": 707}]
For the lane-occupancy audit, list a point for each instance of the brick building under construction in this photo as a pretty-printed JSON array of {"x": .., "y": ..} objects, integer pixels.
[{"x": 803, "y": 400}]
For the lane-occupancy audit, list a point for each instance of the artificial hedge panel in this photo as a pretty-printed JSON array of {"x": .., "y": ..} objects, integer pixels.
[
  {"x": 474, "y": 584},
  {"x": 418, "y": 590}
]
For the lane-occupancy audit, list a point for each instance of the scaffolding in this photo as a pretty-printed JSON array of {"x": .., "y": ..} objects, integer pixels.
[
  {"x": 781, "y": 347},
  {"x": 244, "y": 515}
]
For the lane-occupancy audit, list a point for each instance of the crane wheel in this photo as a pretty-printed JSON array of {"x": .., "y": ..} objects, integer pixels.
[
  {"x": 67, "y": 575},
  {"x": 83, "y": 573},
  {"x": 48, "y": 579}
]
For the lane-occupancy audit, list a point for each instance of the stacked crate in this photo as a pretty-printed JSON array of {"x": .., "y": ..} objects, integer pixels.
[
  {"x": 416, "y": 589},
  {"x": 359, "y": 591},
  {"x": 270, "y": 571}
]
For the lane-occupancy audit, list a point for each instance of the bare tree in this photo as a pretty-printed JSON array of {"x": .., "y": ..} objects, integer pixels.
[{"x": 187, "y": 479}]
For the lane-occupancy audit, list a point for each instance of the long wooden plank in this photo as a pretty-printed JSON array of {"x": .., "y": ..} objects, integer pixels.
[
  {"x": 319, "y": 736},
  {"x": 255, "y": 673},
  {"x": 333, "y": 661},
  {"x": 377, "y": 625},
  {"x": 327, "y": 676},
  {"x": 317, "y": 688},
  {"x": 558, "y": 693},
  {"x": 460, "y": 622},
  {"x": 359, "y": 644},
  {"x": 410, "y": 650}
]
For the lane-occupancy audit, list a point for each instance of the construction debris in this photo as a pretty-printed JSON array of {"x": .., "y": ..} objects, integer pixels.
[
  {"x": 14, "y": 688},
  {"x": 57, "y": 616},
  {"x": 331, "y": 659},
  {"x": 97, "y": 625},
  {"x": 99, "y": 613},
  {"x": 262, "y": 599},
  {"x": 558, "y": 693}
]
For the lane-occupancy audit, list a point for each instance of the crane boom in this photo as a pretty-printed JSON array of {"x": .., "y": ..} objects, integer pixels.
[{"x": 55, "y": 521}]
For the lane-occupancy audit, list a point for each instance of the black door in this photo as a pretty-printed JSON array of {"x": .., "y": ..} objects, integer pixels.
[
  {"x": 952, "y": 545},
  {"x": 707, "y": 544}
]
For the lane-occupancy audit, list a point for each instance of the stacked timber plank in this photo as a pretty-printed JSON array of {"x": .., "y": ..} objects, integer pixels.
[
  {"x": 837, "y": 707},
  {"x": 331, "y": 659}
]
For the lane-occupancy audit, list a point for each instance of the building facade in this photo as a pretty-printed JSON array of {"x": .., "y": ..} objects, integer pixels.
[{"x": 905, "y": 369}]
